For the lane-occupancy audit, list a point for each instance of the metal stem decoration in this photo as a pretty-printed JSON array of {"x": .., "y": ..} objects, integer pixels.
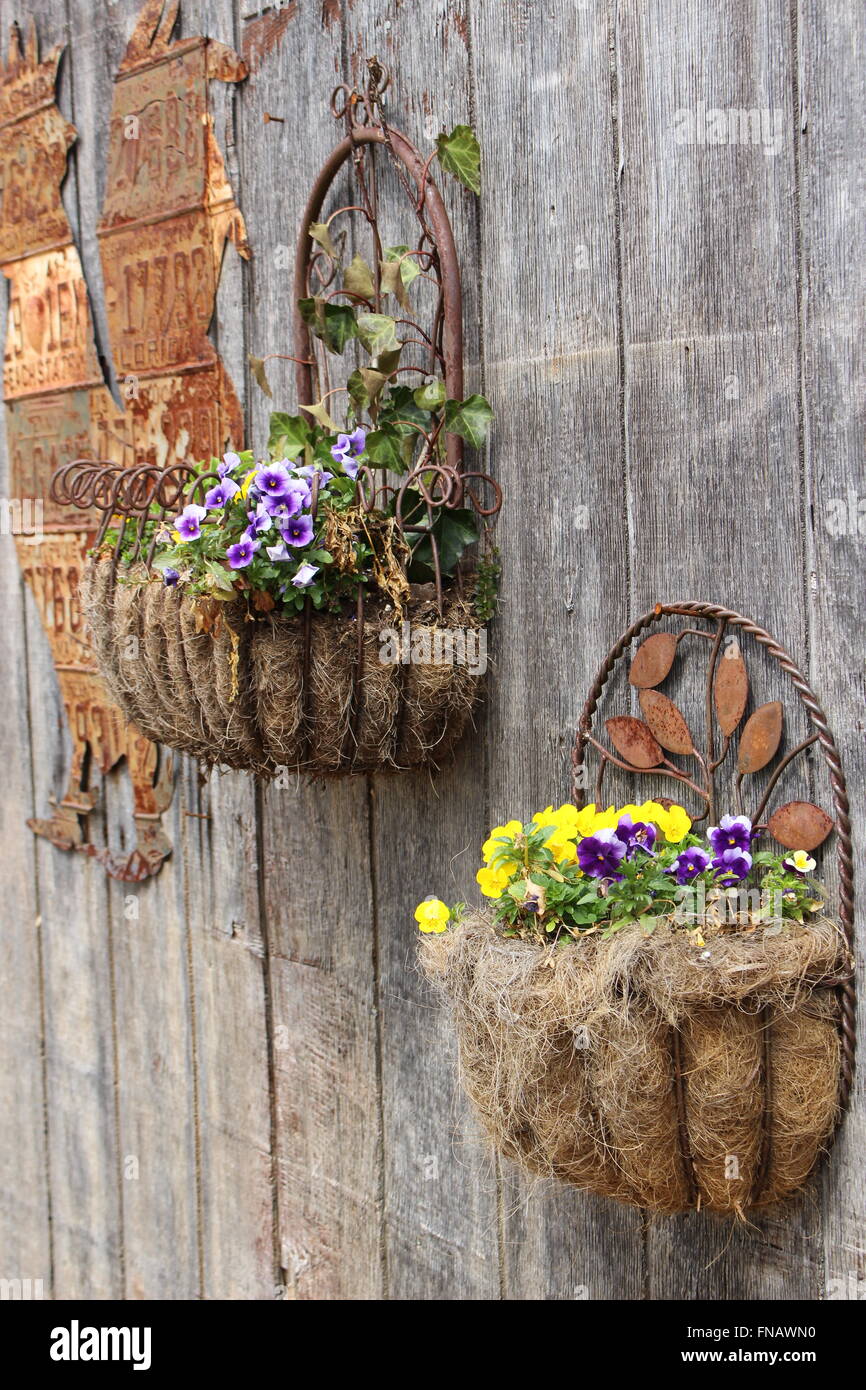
[
  {"x": 436, "y": 479},
  {"x": 642, "y": 747}
]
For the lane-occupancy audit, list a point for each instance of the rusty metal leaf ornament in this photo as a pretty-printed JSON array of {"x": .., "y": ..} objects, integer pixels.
[
  {"x": 760, "y": 738},
  {"x": 653, "y": 659},
  {"x": 666, "y": 722},
  {"x": 634, "y": 740},
  {"x": 730, "y": 691},
  {"x": 800, "y": 825}
]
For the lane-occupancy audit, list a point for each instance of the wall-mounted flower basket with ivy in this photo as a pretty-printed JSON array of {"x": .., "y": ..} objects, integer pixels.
[
  {"x": 321, "y": 609},
  {"x": 658, "y": 1004}
]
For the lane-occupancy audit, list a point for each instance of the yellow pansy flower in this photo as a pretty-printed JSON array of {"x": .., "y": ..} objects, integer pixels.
[
  {"x": 565, "y": 819},
  {"x": 801, "y": 861},
  {"x": 605, "y": 820},
  {"x": 493, "y": 882},
  {"x": 561, "y": 846},
  {"x": 492, "y": 845},
  {"x": 247, "y": 483},
  {"x": 677, "y": 826},
  {"x": 432, "y": 915}
]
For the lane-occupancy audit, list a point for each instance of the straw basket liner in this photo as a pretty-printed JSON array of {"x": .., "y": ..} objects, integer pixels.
[
  {"x": 304, "y": 694},
  {"x": 651, "y": 1069}
]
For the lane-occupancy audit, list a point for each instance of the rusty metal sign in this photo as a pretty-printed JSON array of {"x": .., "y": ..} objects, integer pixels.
[{"x": 168, "y": 212}]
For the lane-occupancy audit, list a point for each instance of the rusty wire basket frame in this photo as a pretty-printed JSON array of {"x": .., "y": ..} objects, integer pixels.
[
  {"x": 821, "y": 735},
  {"x": 130, "y": 496}
]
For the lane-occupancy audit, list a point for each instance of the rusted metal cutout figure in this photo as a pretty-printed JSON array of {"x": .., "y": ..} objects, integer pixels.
[
  {"x": 168, "y": 212},
  {"x": 648, "y": 746}
]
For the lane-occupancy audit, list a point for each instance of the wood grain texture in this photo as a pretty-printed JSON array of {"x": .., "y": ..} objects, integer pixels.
[
  {"x": 552, "y": 362},
  {"x": 669, "y": 331},
  {"x": 440, "y": 1191},
  {"x": 830, "y": 123},
  {"x": 713, "y": 468},
  {"x": 314, "y": 840}
]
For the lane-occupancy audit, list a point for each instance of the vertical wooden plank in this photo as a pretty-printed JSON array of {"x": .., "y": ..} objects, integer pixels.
[
  {"x": 552, "y": 356},
  {"x": 829, "y": 134},
  {"x": 155, "y": 1092},
  {"x": 713, "y": 465},
  {"x": 77, "y": 954},
  {"x": 219, "y": 835},
  {"x": 25, "y": 1238},
  {"x": 314, "y": 839},
  {"x": 440, "y": 1189}
]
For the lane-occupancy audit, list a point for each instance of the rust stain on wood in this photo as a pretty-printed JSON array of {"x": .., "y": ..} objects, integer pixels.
[{"x": 264, "y": 34}]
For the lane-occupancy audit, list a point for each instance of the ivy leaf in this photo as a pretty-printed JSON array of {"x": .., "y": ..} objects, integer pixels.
[
  {"x": 321, "y": 416},
  {"x": 470, "y": 419},
  {"x": 321, "y": 233},
  {"x": 385, "y": 448},
  {"x": 391, "y": 282},
  {"x": 333, "y": 323},
  {"x": 402, "y": 411},
  {"x": 378, "y": 333},
  {"x": 454, "y": 531},
  {"x": 365, "y": 386},
  {"x": 289, "y": 435},
  {"x": 257, "y": 365},
  {"x": 388, "y": 362},
  {"x": 460, "y": 154},
  {"x": 409, "y": 267},
  {"x": 431, "y": 395},
  {"x": 358, "y": 279}
]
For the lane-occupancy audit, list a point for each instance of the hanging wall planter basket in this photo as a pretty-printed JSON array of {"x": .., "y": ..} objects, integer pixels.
[
  {"x": 382, "y": 671},
  {"x": 302, "y": 693},
  {"x": 672, "y": 1069}
]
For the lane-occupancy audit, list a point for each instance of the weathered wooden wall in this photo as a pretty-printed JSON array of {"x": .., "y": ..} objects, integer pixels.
[{"x": 232, "y": 1082}]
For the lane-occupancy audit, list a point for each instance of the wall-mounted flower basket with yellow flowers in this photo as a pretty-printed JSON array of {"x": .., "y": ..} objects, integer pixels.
[
  {"x": 317, "y": 610},
  {"x": 657, "y": 1005}
]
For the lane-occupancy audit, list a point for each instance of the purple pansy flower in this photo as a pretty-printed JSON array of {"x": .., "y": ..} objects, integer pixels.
[
  {"x": 222, "y": 493},
  {"x": 309, "y": 469},
  {"x": 188, "y": 524},
  {"x": 350, "y": 468},
  {"x": 689, "y": 864},
  {"x": 732, "y": 865},
  {"x": 229, "y": 463},
  {"x": 635, "y": 835},
  {"x": 349, "y": 446},
  {"x": 170, "y": 577},
  {"x": 732, "y": 832},
  {"x": 298, "y": 530},
  {"x": 241, "y": 555},
  {"x": 280, "y": 551},
  {"x": 293, "y": 500},
  {"x": 260, "y": 520},
  {"x": 273, "y": 480},
  {"x": 305, "y": 576},
  {"x": 600, "y": 855}
]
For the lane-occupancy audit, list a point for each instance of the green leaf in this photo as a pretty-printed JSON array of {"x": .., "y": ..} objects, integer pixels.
[
  {"x": 321, "y": 416},
  {"x": 409, "y": 267},
  {"x": 460, "y": 155},
  {"x": 321, "y": 233},
  {"x": 333, "y": 323},
  {"x": 289, "y": 435},
  {"x": 378, "y": 333},
  {"x": 365, "y": 386},
  {"x": 454, "y": 531},
  {"x": 401, "y": 410},
  {"x": 258, "y": 369},
  {"x": 388, "y": 362},
  {"x": 391, "y": 282},
  {"x": 384, "y": 447},
  {"x": 358, "y": 279},
  {"x": 470, "y": 419},
  {"x": 222, "y": 578},
  {"x": 431, "y": 395}
]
